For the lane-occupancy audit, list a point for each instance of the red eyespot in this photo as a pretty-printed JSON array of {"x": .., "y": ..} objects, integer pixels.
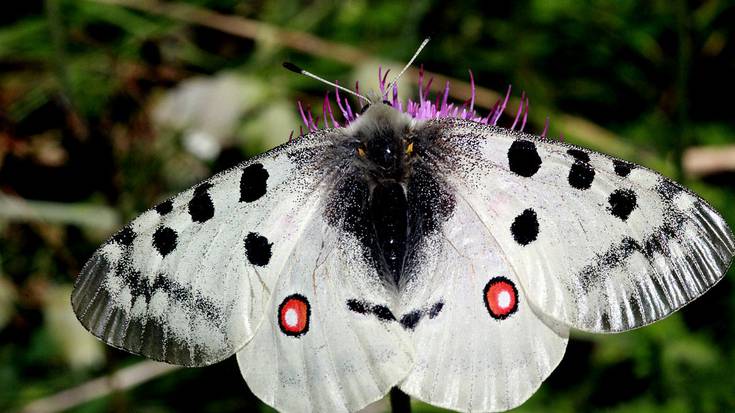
[
  {"x": 293, "y": 315},
  {"x": 501, "y": 298}
]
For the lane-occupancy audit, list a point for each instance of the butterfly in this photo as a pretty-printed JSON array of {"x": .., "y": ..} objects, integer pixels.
[{"x": 422, "y": 248}]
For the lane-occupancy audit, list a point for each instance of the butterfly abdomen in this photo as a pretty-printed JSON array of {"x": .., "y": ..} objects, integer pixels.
[{"x": 389, "y": 215}]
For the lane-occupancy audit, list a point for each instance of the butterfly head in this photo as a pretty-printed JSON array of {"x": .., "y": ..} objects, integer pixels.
[{"x": 381, "y": 134}]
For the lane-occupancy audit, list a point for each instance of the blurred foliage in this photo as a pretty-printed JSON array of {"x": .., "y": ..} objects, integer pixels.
[{"x": 81, "y": 83}]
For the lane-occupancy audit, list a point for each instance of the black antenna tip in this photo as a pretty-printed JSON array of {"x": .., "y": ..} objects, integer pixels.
[{"x": 292, "y": 67}]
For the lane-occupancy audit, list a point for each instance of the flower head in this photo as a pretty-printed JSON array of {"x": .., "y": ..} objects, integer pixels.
[{"x": 423, "y": 108}]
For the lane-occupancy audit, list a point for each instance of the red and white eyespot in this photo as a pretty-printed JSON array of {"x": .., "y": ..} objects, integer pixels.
[
  {"x": 293, "y": 315},
  {"x": 501, "y": 298}
]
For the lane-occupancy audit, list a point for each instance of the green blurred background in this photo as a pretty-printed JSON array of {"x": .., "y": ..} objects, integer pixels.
[{"x": 106, "y": 109}]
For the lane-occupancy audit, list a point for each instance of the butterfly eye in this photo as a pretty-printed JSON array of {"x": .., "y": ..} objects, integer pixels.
[
  {"x": 385, "y": 102},
  {"x": 364, "y": 108}
]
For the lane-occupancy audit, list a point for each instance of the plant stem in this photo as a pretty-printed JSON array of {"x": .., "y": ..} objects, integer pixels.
[
  {"x": 400, "y": 402},
  {"x": 123, "y": 379}
]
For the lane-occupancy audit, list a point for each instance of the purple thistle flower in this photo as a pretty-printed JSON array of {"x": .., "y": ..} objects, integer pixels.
[
  {"x": 422, "y": 109},
  {"x": 520, "y": 110}
]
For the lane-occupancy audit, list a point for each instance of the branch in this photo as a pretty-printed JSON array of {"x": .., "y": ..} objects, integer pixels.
[
  {"x": 701, "y": 161},
  {"x": 249, "y": 29},
  {"x": 99, "y": 217},
  {"x": 123, "y": 379}
]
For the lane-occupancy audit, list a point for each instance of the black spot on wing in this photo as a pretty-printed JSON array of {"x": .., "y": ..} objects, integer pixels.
[
  {"x": 124, "y": 237},
  {"x": 253, "y": 183},
  {"x": 411, "y": 319},
  {"x": 164, "y": 207},
  {"x": 164, "y": 240},
  {"x": 436, "y": 309},
  {"x": 581, "y": 175},
  {"x": 525, "y": 227},
  {"x": 523, "y": 158},
  {"x": 622, "y": 168},
  {"x": 357, "y": 306},
  {"x": 201, "y": 208},
  {"x": 579, "y": 155},
  {"x": 258, "y": 249},
  {"x": 622, "y": 203},
  {"x": 383, "y": 313}
]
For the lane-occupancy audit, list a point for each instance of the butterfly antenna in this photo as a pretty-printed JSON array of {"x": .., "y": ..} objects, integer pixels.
[
  {"x": 410, "y": 62},
  {"x": 292, "y": 67}
]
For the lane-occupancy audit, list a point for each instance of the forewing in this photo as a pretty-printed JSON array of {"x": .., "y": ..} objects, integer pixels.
[
  {"x": 188, "y": 280},
  {"x": 480, "y": 344},
  {"x": 597, "y": 242},
  {"x": 338, "y": 352}
]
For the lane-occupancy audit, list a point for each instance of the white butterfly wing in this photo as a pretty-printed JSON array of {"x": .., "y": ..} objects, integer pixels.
[
  {"x": 322, "y": 347},
  {"x": 187, "y": 282},
  {"x": 480, "y": 345},
  {"x": 597, "y": 243}
]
